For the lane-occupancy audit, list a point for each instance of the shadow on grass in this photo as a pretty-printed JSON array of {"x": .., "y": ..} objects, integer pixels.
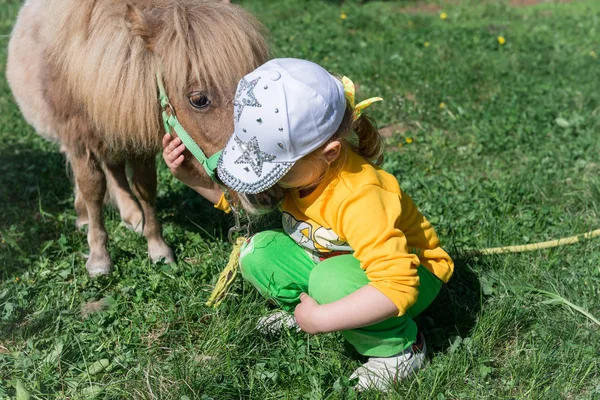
[
  {"x": 455, "y": 310},
  {"x": 36, "y": 206},
  {"x": 33, "y": 182},
  {"x": 35, "y": 188},
  {"x": 190, "y": 211}
]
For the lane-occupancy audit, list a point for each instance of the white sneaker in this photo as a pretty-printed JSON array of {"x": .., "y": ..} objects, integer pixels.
[
  {"x": 276, "y": 322},
  {"x": 382, "y": 372}
]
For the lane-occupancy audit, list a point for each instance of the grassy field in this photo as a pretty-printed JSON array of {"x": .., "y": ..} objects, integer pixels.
[{"x": 497, "y": 143}]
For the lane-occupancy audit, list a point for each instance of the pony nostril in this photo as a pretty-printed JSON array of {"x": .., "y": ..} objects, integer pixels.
[{"x": 263, "y": 202}]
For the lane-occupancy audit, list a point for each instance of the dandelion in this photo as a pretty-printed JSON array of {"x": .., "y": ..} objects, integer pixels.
[
  {"x": 400, "y": 145},
  {"x": 501, "y": 40},
  {"x": 443, "y": 15},
  {"x": 442, "y": 105},
  {"x": 426, "y": 44},
  {"x": 17, "y": 279},
  {"x": 409, "y": 140},
  {"x": 343, "y": 15},
  {"x": 593, "y": 54}
]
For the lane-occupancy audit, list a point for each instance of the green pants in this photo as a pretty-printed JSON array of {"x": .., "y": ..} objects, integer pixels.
[{"x": 280, "y": 269}]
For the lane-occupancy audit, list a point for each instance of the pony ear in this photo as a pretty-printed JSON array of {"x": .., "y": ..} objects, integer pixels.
[{"x": 142, "y": 24}]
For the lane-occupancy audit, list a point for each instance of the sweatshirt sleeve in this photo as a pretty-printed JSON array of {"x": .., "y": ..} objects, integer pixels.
[
  {"x": 223, "y": 205},
  {"x": 368, "y": 221}
]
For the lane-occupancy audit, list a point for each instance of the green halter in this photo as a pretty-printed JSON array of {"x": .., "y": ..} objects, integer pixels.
[{"x": 172, "y": 124}]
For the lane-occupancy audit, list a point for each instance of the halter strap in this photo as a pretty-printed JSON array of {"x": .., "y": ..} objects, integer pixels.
[{"x": 171, "y": 124}]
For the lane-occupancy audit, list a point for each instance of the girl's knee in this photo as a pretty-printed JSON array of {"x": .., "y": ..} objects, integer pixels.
[
  {"x": 252, "y": 267},
  {"x": 330, "y": 282},
  {"x": 255, "y": 246},
  {"x": 257, "y": 254},
  {"x": 250, "y": 259}
]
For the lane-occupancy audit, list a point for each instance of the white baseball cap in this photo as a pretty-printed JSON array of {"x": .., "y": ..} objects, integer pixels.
[{"x": 283, "y": 110}]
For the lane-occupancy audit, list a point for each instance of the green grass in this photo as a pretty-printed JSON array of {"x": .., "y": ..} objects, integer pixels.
[{"x": 513, "y": 158}]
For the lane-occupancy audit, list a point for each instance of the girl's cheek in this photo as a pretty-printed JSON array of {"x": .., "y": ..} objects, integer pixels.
[{"x": 297, "y": 181}]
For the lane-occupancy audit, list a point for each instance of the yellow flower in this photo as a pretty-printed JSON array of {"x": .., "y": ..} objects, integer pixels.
[
  {"x": 593, "y": 54},
  {"x": 400, "y": 145},
  {"x": 442, "y": 105},
  {"x": 343, "y": 15},
  {"x": 17, "y": 279},
  {"x": 409, "y": 140},
  {"x": 501, "y": 40},
  {"x": 426, "y": 44},
  {"x": 443, "y": 15},
  {"x": 325, "y": 58}
]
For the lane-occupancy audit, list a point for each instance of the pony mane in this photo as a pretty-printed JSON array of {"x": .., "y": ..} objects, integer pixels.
[{"x": 110, "y": 66}]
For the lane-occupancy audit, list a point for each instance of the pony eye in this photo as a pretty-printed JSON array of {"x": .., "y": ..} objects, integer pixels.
[{"x": 199, "y": 100}]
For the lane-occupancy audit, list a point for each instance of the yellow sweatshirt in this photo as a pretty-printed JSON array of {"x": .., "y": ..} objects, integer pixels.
[{"x": 363, "y": 211}]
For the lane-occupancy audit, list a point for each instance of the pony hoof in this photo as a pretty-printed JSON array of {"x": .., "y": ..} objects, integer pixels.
[
  {"x": 161, "y": 252},
  {"x": 98, "y": 265}
]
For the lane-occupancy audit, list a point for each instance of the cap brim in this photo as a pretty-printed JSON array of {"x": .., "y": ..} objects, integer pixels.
[{"x": 248, "y": 176}]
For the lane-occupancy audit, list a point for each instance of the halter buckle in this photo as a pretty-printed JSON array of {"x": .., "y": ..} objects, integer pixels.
[
  {"x": 168, "y": 108},
  {"x": 237, "y": 227}
]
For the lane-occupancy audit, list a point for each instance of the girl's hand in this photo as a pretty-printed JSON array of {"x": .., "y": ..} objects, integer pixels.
[
  {"x": 173, "y": 155},
  {"x": 307, "y": 314}
]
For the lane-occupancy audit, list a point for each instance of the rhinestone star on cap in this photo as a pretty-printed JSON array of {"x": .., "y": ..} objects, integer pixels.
[
  {"x": 266, "y": 181},
  {"x": 253, "y": 155},
  {"x": 249, "y": 99}
]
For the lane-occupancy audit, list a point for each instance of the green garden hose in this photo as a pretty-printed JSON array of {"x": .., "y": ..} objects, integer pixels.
[{"x": 537, "y": 246}]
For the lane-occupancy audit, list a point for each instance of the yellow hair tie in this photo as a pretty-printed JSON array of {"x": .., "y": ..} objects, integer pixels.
[{"x": 349, "y": 91}]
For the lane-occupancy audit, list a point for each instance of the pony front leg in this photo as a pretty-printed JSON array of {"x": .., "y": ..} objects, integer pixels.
[
  {"x": 91, "y": 186},
  {"x": 121, "y": 196},
  {"x": 144, "y": 187}
]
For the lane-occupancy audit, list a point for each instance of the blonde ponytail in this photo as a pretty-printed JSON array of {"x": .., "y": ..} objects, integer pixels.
[
  {"x": 367, "y": 143},
  {"x": 370, "y": 144}
]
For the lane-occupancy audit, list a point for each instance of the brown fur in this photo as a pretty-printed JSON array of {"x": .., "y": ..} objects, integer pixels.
[
  {"x": 101, "y": 50},
  {"x": 84, "y": 74}
]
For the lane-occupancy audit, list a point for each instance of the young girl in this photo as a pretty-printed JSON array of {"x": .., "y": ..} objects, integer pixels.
[{"x": 355, "y": 254}]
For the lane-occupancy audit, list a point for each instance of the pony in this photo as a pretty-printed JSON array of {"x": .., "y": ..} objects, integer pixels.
[{"x": 83, "y": 73}]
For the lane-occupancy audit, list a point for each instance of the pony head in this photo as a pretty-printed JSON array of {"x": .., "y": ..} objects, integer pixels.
[
  {"x": 109, "y": 53},
  {"x": 202, "y": 50}
]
